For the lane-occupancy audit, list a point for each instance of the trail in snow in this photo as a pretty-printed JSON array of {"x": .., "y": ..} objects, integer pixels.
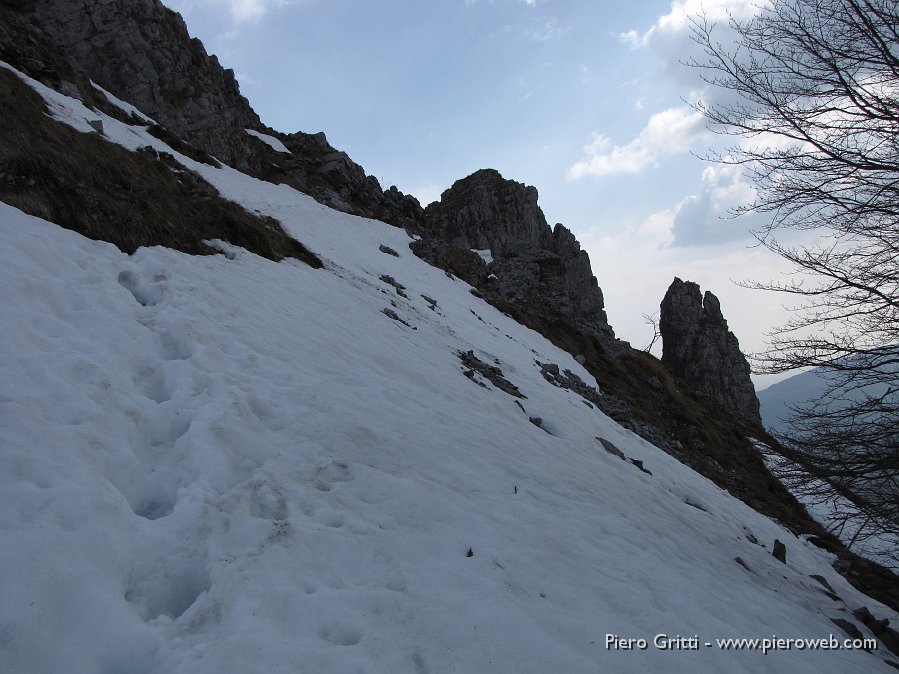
[{"x": 225, "y": 464}]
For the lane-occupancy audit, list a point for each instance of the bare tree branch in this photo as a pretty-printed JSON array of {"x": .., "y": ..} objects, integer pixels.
[{"x": 814, "y": 107}]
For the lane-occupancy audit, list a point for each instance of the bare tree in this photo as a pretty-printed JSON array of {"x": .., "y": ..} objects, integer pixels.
[
  {"x": 811, "y": 91},
  {"x": 652, "y": 320}
]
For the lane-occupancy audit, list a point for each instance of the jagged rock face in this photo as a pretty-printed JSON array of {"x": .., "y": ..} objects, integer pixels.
[
  {"x": 141, "y": 51},
  {"x": 329, "y": 175},
  {"x": 485, "y": 211},
  {"x": 533, "y": 266},
  {"x": 699, "y": 349}
]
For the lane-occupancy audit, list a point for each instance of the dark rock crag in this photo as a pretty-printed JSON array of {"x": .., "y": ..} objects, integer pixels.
[
  {"x": 699, "y": 349},
  {"x": 532, "y": 266},
  {"x": 141, "y": 52},
  {"x": 332, "y": 178}
]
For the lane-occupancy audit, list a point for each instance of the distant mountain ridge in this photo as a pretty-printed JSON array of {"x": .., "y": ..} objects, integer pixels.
[
  {"x": 805, "y": 388},
  {"x": 776, "y": 399}
]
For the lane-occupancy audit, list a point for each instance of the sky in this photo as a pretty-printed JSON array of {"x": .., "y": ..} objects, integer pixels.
[{"x": 586, "y": 100}]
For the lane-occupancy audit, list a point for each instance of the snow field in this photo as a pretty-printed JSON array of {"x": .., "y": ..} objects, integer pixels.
[
  {"x": 225, "y": 464},
  {"x": 271, "y": 141}
]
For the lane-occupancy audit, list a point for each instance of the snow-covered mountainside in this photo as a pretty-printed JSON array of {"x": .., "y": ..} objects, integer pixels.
[{"x": 230, "y": 464}]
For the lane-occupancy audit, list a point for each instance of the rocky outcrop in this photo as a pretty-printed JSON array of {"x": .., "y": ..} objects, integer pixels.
[
  {"x": 530, "y": 264},
  {"x": 131, "y": 199},
  {"x": 141, "y": 52},
  {"x": 332, "y": 178},
  {"x": 699, "y": 349}
]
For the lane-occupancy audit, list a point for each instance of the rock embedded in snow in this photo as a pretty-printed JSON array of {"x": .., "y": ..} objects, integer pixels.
[
  {"x": 780, "y": 551},
  {"x": 612, "y": 449},
  {"x": 491, "y": 373},
  {"x": 848, "y": 627},
  {"x": 399, "y": 287}
]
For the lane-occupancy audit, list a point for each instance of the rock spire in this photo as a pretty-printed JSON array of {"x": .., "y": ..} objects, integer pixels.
[{"x": 699, "y": 348}]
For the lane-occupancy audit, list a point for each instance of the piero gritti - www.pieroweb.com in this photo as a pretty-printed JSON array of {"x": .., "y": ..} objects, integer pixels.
[{"x": 677, "y": 642}]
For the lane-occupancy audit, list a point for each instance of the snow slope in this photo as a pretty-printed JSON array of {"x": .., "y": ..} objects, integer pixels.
[
  {"x": 271, "y": 141},
  {"x": 225, "y": 464}
]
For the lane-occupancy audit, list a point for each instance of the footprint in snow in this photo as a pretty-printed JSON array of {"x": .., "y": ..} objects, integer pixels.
[
  {"x": 335, "y": 472},
  {"x": 340, "y": 634},
  {"x": 147, "y": 293},
  {"x": 175, "y": 343},
  {"x": 328, "y": 517},
  {"x": 267, "y": 501},
  {"x": 169, "y": 588}
]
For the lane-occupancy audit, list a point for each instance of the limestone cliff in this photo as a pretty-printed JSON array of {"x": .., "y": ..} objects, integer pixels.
[
  {"x": 699, "y": 348},
  {"x": 532, "y": 265},
  {"x": 141, "y": 52}
]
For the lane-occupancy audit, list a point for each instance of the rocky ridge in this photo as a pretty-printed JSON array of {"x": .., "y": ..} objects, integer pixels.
[
  {"x": 699, "y": 348},
  {"x": 529, "y": 263},
  {"x": 141, "y": 52}
]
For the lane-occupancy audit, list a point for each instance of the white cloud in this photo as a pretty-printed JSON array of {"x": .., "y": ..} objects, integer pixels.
[
  {"x": 707, "y": 218},
  {"x": 670, "y": 38},
  {"x": 676, "y": 23},
  {"x": 241, "y": 11},
  {"x": 673, "y": 130},
  {"x": 633, "y": 38},
  {"x": 656, "y": 227},
  {"x": 669, "y": 132}
]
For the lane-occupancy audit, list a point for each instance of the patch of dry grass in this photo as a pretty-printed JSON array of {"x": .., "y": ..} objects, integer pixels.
[{"x": 103, "y": 191}]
